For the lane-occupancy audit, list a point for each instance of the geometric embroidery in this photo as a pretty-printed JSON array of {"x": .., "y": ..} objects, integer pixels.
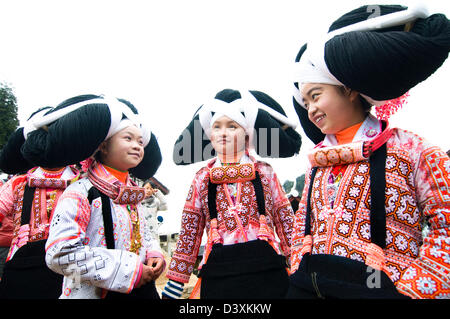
[
  {"x": 232, "y": 173},
  {"x": 413, "y": 194},
  {"x": 348, "y": 222},
  {"x": 231, "y": 218},
  {"x": 438, "y": 163}
]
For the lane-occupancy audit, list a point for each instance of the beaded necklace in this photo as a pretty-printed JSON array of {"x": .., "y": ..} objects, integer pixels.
[
  {"x": 136, "y": 239},
  {"x": 51, "y": 192},
  {"x": 337, "y": 171}
]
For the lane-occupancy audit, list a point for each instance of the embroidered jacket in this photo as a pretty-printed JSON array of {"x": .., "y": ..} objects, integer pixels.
[
  {"x": 47, "y": 193},
  {"x": 76, "y": 246},
  {"x": 237, "y": 216},
  {"x": 417, "y": 193}
]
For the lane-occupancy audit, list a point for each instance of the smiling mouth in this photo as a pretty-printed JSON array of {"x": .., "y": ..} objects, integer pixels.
[{"x": 320, "y": 118}]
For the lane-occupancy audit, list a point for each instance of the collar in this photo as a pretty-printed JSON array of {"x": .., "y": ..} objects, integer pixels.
[
  {"x": 109, "y": 185},
  {"x": 121, "y": 176},
  {"x": 346, "y": 136},
  {"x": 244, "y": 171},
  {"x": 369, "y": 137},
  {"x": 370, "y": 128},
  {"x": 37, "y": 177}
]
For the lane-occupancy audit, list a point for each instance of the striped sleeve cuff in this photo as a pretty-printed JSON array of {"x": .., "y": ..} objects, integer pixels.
[{"x": 173, "y": 290}]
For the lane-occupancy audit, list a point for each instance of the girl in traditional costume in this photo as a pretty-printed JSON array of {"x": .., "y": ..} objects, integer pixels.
[
  {"x": 370, "y": 187},
  {"x": 29, "y": 200},
  {"x": 98, "y": 239},
  {"x": 237, "y": 199}
]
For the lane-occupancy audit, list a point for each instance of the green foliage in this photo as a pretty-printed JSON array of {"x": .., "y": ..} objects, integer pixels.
[
  {"x": 287, "y": 186},
  {"x": 300, "y": 184},
  {"x": 8, "y": 113}
]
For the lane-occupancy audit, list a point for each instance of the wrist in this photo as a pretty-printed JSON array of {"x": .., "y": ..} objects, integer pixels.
[{"x": 139, "y": 275}]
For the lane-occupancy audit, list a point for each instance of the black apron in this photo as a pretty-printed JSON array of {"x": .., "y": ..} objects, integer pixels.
[
  {"x": 148, "y": 291},
  {"x": 322, "y": 276},
  {"x": 250, "y": 270},
  {"x": 26, "y": 275}
]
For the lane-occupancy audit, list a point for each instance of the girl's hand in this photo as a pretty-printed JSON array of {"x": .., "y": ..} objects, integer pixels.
[
  {"x": 157, "y": 266},
  {"x": 146, "y": 276}
]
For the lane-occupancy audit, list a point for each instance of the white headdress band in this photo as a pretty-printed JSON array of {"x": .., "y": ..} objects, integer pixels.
[
  {"x": 116, "y": 108},
  {"x": 247, "y": 104},
  {"x": 312, "y": 67}
]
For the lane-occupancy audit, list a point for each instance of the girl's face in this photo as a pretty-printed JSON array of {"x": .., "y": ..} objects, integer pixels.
[
  {"x": 123, "y": 150},
  {"x": 330, "y": 108},
  {"x": 228, "y": 139}
]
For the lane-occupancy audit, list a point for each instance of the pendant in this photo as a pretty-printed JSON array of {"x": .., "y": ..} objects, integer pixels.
[{"x": 133, "y": 214}]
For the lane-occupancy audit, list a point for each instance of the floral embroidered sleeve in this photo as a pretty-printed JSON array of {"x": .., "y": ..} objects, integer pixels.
[
  {"x": 6, "y": 199},
  {"x": 190, "y": 237},
  {"x": 283, "y": 216},
  {"x": 429, "y": 275},
  {"x": 298, "y": 232}
]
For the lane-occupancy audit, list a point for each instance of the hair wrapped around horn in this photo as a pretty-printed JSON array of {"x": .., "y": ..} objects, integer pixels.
[
  {"x": 271, "y": 132},
  {"x": 74, "y": 130},
  {"x": 381, "y": 57}
]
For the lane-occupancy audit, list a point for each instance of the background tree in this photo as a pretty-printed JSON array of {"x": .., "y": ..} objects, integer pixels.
[
  {"x": 8, "y": 113},
  {"x": 300, "y": 184},
  {"x": 287, "y": 186}
]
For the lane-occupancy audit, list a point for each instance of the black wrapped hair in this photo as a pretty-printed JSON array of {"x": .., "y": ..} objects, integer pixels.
[
  {"x": 381, "y": 64},
  {"x": 190, "y": 146},
  {"x": 289, "y": 140},
  {"x": 72, "y": 138},
  {"x": 11, "y": 158},
  {"x": 189, "y": 149},
  {"x": 385, "y": 65},
  {"x": 77, "y": 135},
  {"x": 312, "y": 131}
]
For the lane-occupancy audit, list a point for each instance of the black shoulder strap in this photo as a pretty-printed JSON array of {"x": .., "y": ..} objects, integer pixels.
[
  {"x": 212, "y": 192},
  {"x": 106, "y": 212},
  {"x": 260, "y": 201},
  {"x": 28, "y": 196},
  {"x": 377, "y": 192},
  {"x": 259, "y": 194},
  {"x": 377, "y": 196},
  {"x": 308, "y": 202}
]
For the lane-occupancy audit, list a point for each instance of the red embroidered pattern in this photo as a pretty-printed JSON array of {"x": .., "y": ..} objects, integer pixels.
[
  {"x": 183, "y": 260},
  {"x": 196, "y": 217},
  {"x": 424, "y": 278},
  {"x": 417, "y": 187},
  {"x": 232, "y": 174},
  {"x": 130, "y": 195},
  {"x": 329, "y": 156},
  {"x": 47, "y": 182},
  {"x": 348, "y": 223}
]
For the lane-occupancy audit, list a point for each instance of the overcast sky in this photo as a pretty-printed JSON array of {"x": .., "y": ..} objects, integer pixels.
[{"x": 167, "y": 57}]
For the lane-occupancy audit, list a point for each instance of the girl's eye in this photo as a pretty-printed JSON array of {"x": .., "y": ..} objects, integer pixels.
[{"x": 315, "y": 96}]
